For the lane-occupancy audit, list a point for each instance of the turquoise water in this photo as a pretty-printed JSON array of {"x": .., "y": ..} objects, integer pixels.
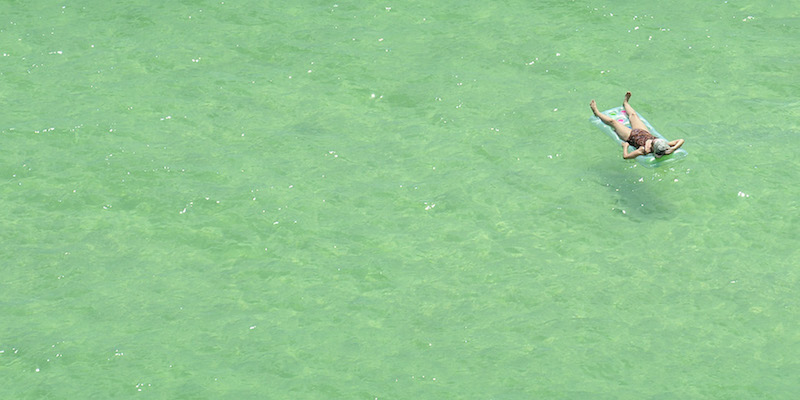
[{"x": 396, "y": 200}]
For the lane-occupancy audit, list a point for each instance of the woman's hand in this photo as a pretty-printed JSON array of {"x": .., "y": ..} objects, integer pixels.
[{"x": 675, "y": 145}]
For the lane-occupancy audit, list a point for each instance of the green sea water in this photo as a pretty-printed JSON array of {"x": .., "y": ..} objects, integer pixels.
[{"x": 396, "y": 200}]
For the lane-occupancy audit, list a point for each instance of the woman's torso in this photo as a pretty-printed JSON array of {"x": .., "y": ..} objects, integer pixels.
[{"x": 639, "y": 137}]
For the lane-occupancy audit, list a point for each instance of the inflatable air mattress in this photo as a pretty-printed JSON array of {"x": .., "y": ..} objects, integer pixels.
[{"x": 648, "y": 160}]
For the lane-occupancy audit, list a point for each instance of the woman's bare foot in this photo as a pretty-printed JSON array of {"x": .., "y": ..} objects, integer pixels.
[
  {"x": 593, "y": 105},
  {"x": 627, "y": 97},
  {"x": 608, "y": 120}
]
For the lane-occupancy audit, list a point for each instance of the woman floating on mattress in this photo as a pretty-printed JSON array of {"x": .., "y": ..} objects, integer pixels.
[{"x": 637, "y": 135}]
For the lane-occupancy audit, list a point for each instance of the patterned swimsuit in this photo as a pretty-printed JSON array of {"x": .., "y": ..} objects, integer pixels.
[{"x": 639, "y": 137}]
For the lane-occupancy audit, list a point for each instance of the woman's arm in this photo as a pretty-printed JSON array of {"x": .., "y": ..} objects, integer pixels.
[
  {"x": 633, "y": 154},
  {"x": 674, "y": 145}
]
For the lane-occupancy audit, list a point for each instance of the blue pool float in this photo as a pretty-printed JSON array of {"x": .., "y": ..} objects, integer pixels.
[{"x": 647, "y": 160}]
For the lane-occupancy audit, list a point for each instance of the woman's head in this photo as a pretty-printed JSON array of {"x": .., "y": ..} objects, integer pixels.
[{"x": 660, "y": 147}]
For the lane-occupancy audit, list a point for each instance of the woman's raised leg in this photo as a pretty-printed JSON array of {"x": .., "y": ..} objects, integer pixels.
[
  {"x": 622, "y": 131},
  {"x": 636, "y": 122}
]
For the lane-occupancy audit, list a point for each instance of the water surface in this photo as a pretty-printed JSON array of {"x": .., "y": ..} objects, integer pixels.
[{"x": 244, "y": 199}]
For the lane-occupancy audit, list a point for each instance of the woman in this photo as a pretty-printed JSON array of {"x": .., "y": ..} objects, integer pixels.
[{"x": 637, "y": 135}]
